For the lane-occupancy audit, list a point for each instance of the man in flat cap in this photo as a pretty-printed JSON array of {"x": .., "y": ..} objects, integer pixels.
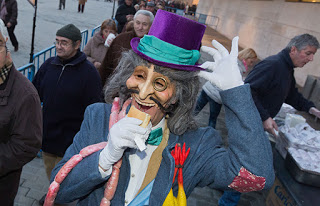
[{"x": 66, "y": 84}]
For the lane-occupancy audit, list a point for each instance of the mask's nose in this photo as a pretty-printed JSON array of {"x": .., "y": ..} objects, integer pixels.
[{"x": 145, "y": 89}]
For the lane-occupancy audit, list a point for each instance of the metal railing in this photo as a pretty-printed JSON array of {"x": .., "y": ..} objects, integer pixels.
[
  {"x": 209, "y": 20},
  {"x": 43, "y": 55},
  {"x": 30, "y": 69},
  {"x": 84, "y": 35},
  {"x": 95, "y": 29}
]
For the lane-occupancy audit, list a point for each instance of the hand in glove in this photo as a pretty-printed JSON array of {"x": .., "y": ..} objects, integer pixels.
[
  {"x": 315, "y": 112},
  {"x": 225, "y": 71},
  {"x": 121, "y": 136}
]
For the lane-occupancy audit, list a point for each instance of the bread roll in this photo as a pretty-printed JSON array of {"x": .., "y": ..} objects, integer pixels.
[{"x": 134, "y": 112}]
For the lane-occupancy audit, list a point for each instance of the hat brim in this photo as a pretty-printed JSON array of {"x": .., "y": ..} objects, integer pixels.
[{"x": 134, "y": 45}]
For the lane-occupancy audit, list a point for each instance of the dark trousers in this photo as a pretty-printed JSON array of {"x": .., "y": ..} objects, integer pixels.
[
  {"x": 9, "y": 185},
  {"x": 62, "y": 3},
  {"x": 229, "y": 198},
  {"x": 13, "y": 38},
  {"x": 81, "y": 8},
  {"x": 215, "y": 108}
]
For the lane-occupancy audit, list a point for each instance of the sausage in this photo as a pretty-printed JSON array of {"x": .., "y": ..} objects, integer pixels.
[
  {"x": 118, "y": 164},
  {"x": 64, "y": 171},
  {"x": 92, "y": 149},
  {"x": 105, "y": 202},
  {"x": 52, "y": 193},
  {"x": 114, "y": 112},
  {"x": 112, "y": 183},
  {"x": 122, "y": 113}
]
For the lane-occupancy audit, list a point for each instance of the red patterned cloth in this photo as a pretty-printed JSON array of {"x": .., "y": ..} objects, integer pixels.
[{"x": 247, "y": 182}]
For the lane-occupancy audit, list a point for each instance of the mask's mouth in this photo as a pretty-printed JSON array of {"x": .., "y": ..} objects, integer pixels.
[{"x": 144, "y": 107}]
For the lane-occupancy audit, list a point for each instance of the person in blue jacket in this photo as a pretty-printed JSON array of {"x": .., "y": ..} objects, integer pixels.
[
  {"x": 66, "y": 84},
  {"x": 161, "y": 78},
  {"x": 272, "y": 81}
]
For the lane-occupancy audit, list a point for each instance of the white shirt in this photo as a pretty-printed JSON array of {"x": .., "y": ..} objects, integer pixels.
[{"x": 139, "y": 162}]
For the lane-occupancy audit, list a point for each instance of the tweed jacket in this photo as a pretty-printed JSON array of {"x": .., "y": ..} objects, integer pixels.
[
  {"x": 20, "y": 130},
  {"x": 208, "y": 163}
]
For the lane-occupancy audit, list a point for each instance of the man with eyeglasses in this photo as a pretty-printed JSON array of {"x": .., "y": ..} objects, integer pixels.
[
  {"x": 20, "y": 123},
  {"x": 66, "y": 84}
]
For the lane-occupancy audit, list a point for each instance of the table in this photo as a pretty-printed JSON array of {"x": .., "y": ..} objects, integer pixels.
[{"x": 303, "y": 194}]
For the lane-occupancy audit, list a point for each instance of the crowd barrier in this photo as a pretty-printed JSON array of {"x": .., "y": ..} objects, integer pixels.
[
  {"x": 95, "y": 29},
  {"x": 30, "y": 69},
  {"x": 209, "y": 20}
]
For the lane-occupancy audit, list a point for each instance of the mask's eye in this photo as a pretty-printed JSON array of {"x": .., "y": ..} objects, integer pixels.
[
  {"x": 139, "y": 75},
  {"x": 160, "y": 84}
]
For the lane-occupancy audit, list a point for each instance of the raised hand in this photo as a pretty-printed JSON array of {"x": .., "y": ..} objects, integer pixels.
[{"x": 224, "y": 72}]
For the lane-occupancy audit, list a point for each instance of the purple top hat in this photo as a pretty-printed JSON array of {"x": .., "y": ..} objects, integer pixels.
[{"x": 173, "y": 41}]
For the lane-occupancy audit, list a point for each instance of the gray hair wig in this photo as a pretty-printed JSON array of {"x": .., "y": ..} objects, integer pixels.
[
  {"x": 186, "y": 90},
  {"x": 302, "y": 41}
]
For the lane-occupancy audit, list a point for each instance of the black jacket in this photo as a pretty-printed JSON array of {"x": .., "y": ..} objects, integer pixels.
[
  {"x": 272, "y": 84},
  {"x": 65, "y": 90},
  {"x": 121, "y": 14}
]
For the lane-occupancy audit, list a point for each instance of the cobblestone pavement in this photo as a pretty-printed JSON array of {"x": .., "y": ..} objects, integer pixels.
[{"x": 34, "y": 183}]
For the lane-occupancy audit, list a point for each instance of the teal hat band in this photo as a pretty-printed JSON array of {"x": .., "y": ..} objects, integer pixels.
[{"x": 165, "y": 52}]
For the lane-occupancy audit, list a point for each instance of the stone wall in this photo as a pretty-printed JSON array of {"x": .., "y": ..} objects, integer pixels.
[{"x": 267, "y": 26}]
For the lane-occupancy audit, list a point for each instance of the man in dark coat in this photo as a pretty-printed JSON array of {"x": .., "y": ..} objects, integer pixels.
[
  {"x": 272, "y": 81},
  {"x": 124, "y": 14},
  {"x": 20, "y": 123},
  {"x": 141, "y": 25},
  {"x": 66, "y": 84},
  {"x": 9, "y": 14}
]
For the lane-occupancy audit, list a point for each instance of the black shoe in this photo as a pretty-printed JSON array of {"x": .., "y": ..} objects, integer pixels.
[
  {"x": 41, "y": 201},
  {"x": 16, "y": 48}
]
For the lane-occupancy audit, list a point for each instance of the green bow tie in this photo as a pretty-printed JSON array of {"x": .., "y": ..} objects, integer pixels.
[{"x": 155, "y": 137}]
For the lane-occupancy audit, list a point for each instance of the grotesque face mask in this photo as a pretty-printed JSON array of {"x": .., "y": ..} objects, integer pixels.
[{"x": 153, "y": 92}]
